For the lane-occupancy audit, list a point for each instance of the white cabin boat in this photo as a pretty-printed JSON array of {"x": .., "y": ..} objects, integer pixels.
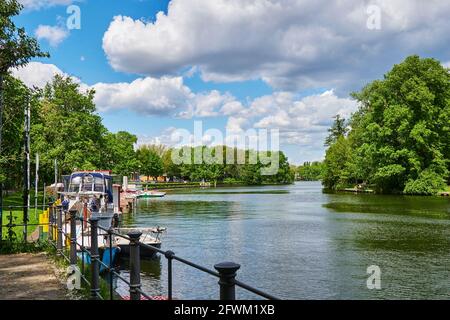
[{"x": 91, "y": 194}]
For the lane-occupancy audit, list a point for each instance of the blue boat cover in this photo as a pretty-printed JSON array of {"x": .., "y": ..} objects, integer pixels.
[{"x": 106, "y": 260}]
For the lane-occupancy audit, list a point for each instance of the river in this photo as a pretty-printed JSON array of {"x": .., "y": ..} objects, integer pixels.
[{"x": 297, "y": 242}]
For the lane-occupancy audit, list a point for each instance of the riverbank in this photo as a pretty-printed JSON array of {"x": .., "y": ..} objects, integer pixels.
[
  {"x": 190, "y": 185},
  {"x": 444, "y": 193}
]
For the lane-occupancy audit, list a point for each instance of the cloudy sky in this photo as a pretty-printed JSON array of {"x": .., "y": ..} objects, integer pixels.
[{"x": 290, "y": 65}]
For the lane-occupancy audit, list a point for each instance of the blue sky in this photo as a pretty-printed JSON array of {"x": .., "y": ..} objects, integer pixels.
[{"x": 287, "y": 65}]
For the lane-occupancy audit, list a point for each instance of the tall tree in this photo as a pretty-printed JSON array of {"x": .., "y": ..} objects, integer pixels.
[
  {"x": 337, "y": 130},
  {"x": 66, "y": 127},
  {"x": 399, "y": 140},
  {"x": 120, "y": 156},
  {"x": 150, "y": 162},
  {"x": 16, "y": 50}
]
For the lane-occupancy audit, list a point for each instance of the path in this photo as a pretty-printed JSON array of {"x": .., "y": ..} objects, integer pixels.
[{"x": 29, "y": 276}]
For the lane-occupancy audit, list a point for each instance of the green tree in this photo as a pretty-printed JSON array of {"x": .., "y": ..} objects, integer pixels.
[
  {"x": 400, "y": 135},
  {"x": 120, "y": 156},
  {"x": 337, "y": 130},
  {"x": 310, "y": 171},
  {"x": 65, "y": 127},
  {"x": 16, "y": 50},
  {"x": 335, "y": 174},
  {"x": 15, "y": 94},
  {"x": 151, "y": 164},
  {"x": 171, "y": 169}
]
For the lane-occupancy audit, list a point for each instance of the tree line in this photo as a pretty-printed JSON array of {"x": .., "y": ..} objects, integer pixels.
[
  {"x": 66, "y": 127},
  {"x": 309, "y": 171},
  {"x": 398, "y": 141}
]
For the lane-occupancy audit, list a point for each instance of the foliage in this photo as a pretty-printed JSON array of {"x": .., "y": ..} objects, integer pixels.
[
  {"x": 337, "y": 130},
  {"x": 120, "y": 156},
  {"x": 428, "y": 183},
  {"x": 335, "y": 174},
  {"x": 16, "y": 47},
  {"x": 16, "y": 50},
  {"x": 65, "y": 127},
  {"x": 150, "y": 162},
  {"x": 310, "y": 171},
  {"x": 219, "y": 167},
  {"x": 8, "y": 247},
  {"x": 399, "y": 138}
]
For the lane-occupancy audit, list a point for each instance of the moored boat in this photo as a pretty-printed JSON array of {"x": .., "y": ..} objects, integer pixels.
[
  {"x": 92, "y": 194},
  {"x": 151, "y": 194}
]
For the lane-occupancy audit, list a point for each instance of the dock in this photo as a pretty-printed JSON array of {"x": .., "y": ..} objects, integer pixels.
[{"x": 356, "y": 190}]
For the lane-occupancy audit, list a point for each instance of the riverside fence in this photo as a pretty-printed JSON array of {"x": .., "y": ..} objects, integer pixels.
[{"x": 67, "y": 246}]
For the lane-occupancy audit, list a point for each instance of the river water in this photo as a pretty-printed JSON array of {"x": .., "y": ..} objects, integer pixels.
[{"x": 297, "y": 242}]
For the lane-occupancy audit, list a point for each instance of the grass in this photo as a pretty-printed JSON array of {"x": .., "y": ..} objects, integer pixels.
[
  {"x": 8, "y": 247},
  {"x": 15, "y": 199}
]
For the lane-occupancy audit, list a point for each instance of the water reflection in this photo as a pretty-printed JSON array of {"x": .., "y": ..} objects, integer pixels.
[
  {"x": 150, "y": 273},
  {"x": 300, "y": 243}
]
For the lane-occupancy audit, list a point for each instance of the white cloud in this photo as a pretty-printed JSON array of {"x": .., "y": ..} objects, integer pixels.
[
  {"x": 302, "y": 121},
  {"x": 53, "y": 34},
  {"x": 37, "y": 74},
  {"x": 209, "y": 104},
  {"x": 165, "y": 138},
  {"x": 144, "y": 95},
  {"x": 446, "y": 64},
  {"x": 290, "y": 44},
  {"x": 38, "y": 4},
  {"x": 150, "y": 96}
]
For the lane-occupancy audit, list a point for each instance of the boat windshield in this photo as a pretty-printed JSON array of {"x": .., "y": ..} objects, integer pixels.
[
  {"x": 75, "y": 184},
  {"x": 87, "y": 183},
  {"x": 99, "y": 184}
]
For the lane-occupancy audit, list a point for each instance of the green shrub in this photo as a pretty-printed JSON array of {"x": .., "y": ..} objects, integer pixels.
[{"x": 428, "y": 183}]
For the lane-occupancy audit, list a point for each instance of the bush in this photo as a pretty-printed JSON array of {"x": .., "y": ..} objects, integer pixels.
[
  {"x": 11, "y": 247},
  {"x": 428, "y": 183}
]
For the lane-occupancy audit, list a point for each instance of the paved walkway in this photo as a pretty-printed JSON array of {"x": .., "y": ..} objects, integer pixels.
[{"x": 29, "y": 276}]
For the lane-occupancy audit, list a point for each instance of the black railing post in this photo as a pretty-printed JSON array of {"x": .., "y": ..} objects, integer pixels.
[
  {"x": 59, "y": 236},
  {"x": 135, "y": 266},
  {"x": 227, "y": 271},
  {"x": 111, "y": 269},
  {"x": 10, "y": 225},
  {"x": 169, "y": 256},
  {"x": 82, "y": 243},
  {"x": 95, "y": 283},
  {"x": 73, "y": 237}
]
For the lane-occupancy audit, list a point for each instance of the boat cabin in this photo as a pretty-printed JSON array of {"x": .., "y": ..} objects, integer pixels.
[{"x": 94, "y": 183}]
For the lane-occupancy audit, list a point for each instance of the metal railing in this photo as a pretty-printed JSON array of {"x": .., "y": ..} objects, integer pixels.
[
  {"x": 11, "y": 234},
  {"x": 226, "y": 271}
]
